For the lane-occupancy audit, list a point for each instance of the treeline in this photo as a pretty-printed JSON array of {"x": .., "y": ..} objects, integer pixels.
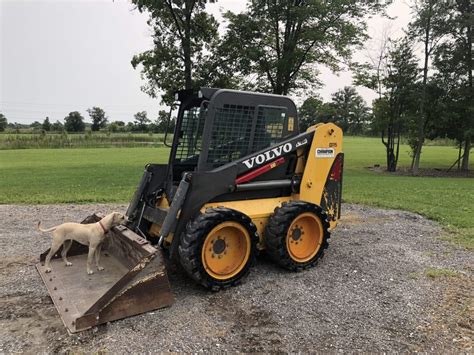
[
  {"x": 347, "y": 109},
  {"x": 277, "y": 47},
  {"x": 74, "y": 122}
]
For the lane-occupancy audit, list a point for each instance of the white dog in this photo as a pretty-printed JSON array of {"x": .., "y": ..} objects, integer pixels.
[{"x": 87, "y": 234}]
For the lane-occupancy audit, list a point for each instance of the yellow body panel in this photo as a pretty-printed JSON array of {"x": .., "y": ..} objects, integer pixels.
[
  {"x": 258, "y": 210},
  {"x": 315, "y": 170}
]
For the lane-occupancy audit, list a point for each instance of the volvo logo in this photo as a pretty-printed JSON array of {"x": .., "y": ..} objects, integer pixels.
[{"x": 268, "y": 155}]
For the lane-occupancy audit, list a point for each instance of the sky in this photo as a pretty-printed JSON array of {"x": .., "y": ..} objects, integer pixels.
[{"x": 58, "y": 56}]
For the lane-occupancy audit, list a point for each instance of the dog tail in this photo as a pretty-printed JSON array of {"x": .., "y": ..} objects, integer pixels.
[{"x": 45, "y": 230}]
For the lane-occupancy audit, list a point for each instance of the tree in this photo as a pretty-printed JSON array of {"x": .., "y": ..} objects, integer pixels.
[
  {"x": 276, "y": 45},
  {"x": 372, "y": 73},
  {"x": 36, "y": 125},
  {"x": 314, "y": 111},
  {"x": 392, "y": 111},
  {"x": 113, "y": 127},
  {"x": 3, "y": 122},
  {"x": 351, "y": 112},
  {"x": 141, "y": 121},
  {"x": 46, "y": 126},
  {"x": 163, "y": 122},
  {"x": 185, "y": 38},
  {"x": 99, "y": 119},
  {"x": 429, "y": 27},
  {"x": 130, "y": 127},
  {"x": 116, "y": 126},
  {"x": 74, "y": 122},
  {"x": 453, "y": 61},
  {"x": 57, "y": 126},
  {"x": 455, "y": 112},
  {"x": 309, "y": 112},
  {"x": 393, "y": 74}
]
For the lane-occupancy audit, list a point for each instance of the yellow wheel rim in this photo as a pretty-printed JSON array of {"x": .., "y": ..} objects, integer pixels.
[
  {"x": 304, "y": 237},
  {"x": 226, "y": 250}
]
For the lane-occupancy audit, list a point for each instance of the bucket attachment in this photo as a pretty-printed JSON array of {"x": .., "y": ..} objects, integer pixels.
[{"x": 134, "y": 281}]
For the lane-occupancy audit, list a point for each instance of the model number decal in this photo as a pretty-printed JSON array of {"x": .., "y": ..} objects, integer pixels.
[
  {"x": 325, "y": 153},
  {"x": 300, "y": 143}
]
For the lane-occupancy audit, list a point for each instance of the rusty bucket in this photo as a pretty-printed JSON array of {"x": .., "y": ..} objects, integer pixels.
[{"x": 134, "y": 281}]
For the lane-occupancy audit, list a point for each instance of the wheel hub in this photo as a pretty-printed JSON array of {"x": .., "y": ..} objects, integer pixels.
[
  {"x": 218, "y": 246},
  {"x": 296, "y": 233}
]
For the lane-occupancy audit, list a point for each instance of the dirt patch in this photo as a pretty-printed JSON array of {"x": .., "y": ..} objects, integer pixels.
[
  {"x": 369, "y": 293},
  {"x": 452, "y": 324}
]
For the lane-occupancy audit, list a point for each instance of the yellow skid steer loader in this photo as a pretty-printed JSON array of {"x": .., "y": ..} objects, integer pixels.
[{"x": 240, "y": 179}]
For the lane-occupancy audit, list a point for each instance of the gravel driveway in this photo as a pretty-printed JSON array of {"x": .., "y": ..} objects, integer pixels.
[{"x": 371, "y": 292}]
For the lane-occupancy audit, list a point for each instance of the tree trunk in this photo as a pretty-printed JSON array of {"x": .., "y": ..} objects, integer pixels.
[
  {"x": 467, "y": 143},
  {"x": 398, "y": 145},
  {"x": 422, "y": 120},
  {"x": 459, "y": 156},
  {"x": 188, "y": 81},
  {"x": 465, "y": 158},
  {"x": 392, "y": 152}
]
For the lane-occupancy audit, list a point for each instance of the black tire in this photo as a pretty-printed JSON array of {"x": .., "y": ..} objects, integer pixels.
[
  {"x": 276, "y": 234},
  {"x": 192, "y": 242}
]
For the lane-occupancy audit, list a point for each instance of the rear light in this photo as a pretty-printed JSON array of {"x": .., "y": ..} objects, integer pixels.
[
  {"x": 336, "y": 169},
  {"x": 332, "y": 195}
]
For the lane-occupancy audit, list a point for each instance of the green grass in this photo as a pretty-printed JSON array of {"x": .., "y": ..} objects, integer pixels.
[
  {"x": 79, "y": 140},
  {"x": 73, "y": 175},
  {"x": 435, "y": 273},
  {"x": 447, "y": 200},
  {"x": 111, "y": 175}
]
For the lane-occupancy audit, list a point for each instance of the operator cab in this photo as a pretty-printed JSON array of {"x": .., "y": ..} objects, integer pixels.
[{"x": 215, "y": 127}]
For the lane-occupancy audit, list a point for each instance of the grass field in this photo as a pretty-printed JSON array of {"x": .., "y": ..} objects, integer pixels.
[
  {"x": 55, "y": 140},
  {"x": 444, "y": 199},
  {"x": 111, "y": 175}
]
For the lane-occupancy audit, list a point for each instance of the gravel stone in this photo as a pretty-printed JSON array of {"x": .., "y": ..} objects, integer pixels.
[{"x": 369, "y": 293}]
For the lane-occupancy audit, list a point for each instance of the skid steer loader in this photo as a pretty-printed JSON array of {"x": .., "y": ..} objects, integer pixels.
[{"x": 240, "y": 179}]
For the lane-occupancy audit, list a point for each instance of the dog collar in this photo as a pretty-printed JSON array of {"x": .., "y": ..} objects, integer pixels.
[{"x": 103, "y": 228}]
